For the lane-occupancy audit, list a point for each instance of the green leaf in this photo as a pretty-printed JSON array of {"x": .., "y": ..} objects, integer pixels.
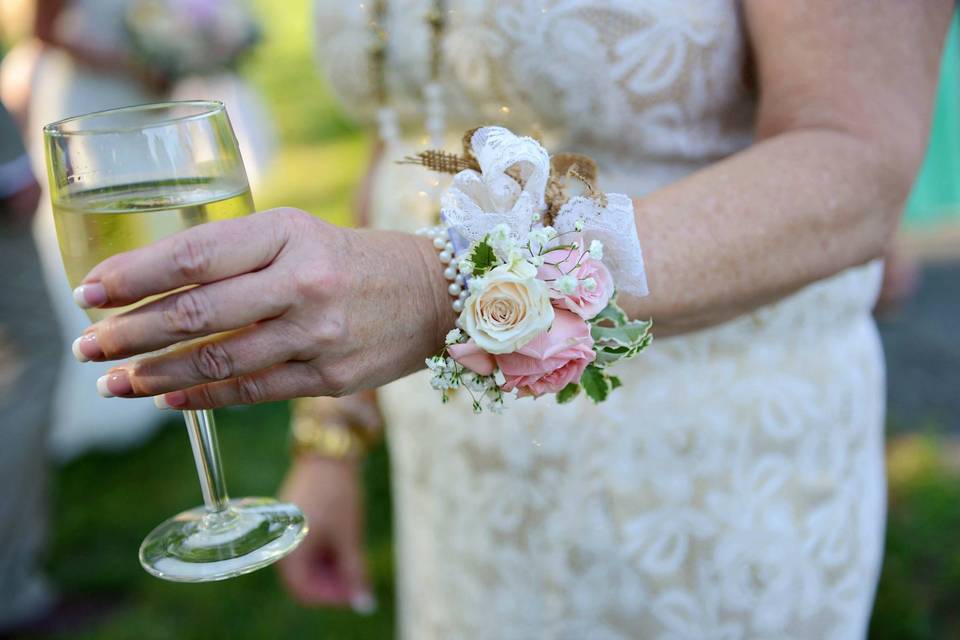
[
  {"x": 614, "y": 382},
  {"x": 612, "y": 314},
  {"x": 616, "y": 337},
  {"x": 595, "y": 383},
  {"x": 568, "y": 393},
  {"x": 482, "y": 257}
]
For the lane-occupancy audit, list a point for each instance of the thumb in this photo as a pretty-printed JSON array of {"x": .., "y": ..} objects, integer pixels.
[{"x": 353, "y": 564}]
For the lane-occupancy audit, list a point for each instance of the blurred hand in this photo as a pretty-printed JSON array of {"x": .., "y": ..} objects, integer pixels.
[
  {"x": 328, "y": 568},
  {"x": 155, "y": 81},
  {"x": 311, "y": 310},
  {"x": 18, "y": 208}
]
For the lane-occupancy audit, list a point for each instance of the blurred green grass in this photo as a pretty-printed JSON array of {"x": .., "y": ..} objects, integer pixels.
[{"x": 105, "y": 503}]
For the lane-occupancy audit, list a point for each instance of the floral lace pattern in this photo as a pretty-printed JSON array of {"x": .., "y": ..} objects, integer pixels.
[{"x": 738, "y": 490}]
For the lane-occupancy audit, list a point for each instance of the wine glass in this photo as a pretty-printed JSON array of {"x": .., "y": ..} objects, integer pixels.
[{"x": 125, "y": 178}]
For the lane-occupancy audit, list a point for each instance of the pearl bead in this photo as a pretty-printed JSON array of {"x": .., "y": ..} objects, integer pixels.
[
  {"x": 459, "y": 279},
  {"x": 445, "y": 257},
  {"x": 450, "y": 273},
  {"x": 454, "y": 289},
  {"x": 449, "y": 247},
  {"x": 464, "y": 294},
  {"x": 458, "y": 307},
  {"x": 439, "y": 243},
  {"x": 459, "y": 322}
]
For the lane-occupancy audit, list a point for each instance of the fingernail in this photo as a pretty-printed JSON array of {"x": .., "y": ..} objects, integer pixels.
[
  {"x": 172, "y": 400},
  {"x": 113, "y": 384},
  {"x": 85, "y": 348},
  {"x": 90, "y": 295},
  {"x": 363, "y": 603},
  {"x": 161, "y": 402}
]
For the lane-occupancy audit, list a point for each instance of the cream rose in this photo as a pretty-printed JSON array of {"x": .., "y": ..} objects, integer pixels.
[{"x": 507, "y": 308}]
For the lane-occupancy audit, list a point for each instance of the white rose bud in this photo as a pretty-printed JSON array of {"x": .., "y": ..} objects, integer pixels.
[{"x": 512, "y": 308}]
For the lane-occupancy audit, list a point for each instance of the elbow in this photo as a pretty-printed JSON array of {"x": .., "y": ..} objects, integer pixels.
[{"x": 890, "y": 167}]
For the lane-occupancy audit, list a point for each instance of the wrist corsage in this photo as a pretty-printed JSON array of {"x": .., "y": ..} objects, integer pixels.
[{"x": 535, "y": 255}]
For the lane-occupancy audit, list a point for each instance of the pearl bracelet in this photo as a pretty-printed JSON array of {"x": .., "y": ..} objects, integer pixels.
[{"x": 441, "y": 242}]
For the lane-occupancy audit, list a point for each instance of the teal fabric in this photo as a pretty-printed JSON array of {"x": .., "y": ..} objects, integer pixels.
[{"x": 936, "y": 194}]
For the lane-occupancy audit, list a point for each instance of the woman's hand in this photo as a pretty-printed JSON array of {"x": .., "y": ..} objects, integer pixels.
[
  {"x": 302, "y": 308},
  {"x": 328, "y": 568}
]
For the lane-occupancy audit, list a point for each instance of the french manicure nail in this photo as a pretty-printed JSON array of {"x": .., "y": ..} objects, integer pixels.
[
  {"x": 88, "y": 296},
  {"x": 113, "y": 384},
  {"x": 174, "y": 399},
  {"x": 85, "y": 348},
  {"x": 363, "y": 603},
  {"x": 161, "y": 402}
]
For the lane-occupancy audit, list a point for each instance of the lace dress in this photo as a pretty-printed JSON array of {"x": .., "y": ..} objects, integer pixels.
[{"x": 734, "y": 487}]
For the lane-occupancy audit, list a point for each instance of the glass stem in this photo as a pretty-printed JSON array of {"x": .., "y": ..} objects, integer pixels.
[{"x": 206, "y": 454}]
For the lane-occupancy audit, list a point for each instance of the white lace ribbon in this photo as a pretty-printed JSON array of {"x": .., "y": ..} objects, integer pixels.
[{"x": 477, "y": 202}]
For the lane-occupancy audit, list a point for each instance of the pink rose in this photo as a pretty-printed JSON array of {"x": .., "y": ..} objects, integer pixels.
[
  {"x": 552, "y": 360},
  {"x": 472, "y": 357},
  {"x": 588, "y": 298}
]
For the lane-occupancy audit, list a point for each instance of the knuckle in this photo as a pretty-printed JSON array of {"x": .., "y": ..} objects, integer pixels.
[
  {"x": 296, "y": 216},
  {"x": 250, "y": 390},
  {"x": 204, "y": 396},
  {"x": 191, "y": 256},
  {"x": 189, "y": 313},
  {"x": 330, "y": 329},
  {"x": 336, "y": 380},
  {"x": 212, "y": 362},
  {"x": 319, "y": 282}
]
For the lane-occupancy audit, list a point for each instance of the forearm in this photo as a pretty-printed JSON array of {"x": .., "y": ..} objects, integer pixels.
[{"x": 790, "y": 210}]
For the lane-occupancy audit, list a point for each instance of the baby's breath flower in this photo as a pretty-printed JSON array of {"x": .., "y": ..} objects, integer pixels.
[
  {"x": 590, "y": 284},
  {"x": 551, "y": 232},
  {"x": 566, "y": 284},
  {"x": 536, "y": 261},
  {"x": 453, "y": 336},
  {"x": 578, "y": 225},
  {"x": 596, "y": 250},
  {"x": 466, "y": 267},
  {"x": 500, "y": 232},
  {"x": 539, "y": 237}
]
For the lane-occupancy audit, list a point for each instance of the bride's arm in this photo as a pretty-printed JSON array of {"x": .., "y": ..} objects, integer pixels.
[{"x": 845, "y": 101}]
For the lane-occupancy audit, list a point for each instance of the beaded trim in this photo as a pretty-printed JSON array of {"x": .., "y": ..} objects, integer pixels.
[{"x": 441, "y": 242}]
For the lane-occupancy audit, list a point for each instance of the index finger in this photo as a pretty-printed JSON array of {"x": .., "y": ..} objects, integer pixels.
[{"x": 205, "y": 253}]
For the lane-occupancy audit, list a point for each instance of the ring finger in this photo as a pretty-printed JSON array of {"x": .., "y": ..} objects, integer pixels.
[{"x": 234, "y": 354}]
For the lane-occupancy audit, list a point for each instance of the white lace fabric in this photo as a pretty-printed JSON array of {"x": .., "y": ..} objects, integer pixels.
[{"x": 733, "y": 488}]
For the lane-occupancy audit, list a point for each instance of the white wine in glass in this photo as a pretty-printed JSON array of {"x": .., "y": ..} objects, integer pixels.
[{"x": 120, "y": 180}]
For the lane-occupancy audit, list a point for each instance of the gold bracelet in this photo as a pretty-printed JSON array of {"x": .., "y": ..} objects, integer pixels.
[{"x": 329, "y": 439}]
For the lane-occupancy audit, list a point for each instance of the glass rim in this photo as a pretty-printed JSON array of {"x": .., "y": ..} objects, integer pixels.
[{"x": 207, "y": 108}]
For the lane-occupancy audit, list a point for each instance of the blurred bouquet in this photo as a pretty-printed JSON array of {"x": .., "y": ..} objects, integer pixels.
[{"x": 178, "y": 38}]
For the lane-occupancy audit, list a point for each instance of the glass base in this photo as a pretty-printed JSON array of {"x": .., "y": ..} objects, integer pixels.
[{"x": 200, "y": 545}]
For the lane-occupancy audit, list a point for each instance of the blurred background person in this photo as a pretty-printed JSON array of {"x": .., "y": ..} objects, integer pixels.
[
  {"x": 87, "y": 63},
  {"x": 29, "y": 359},
  {"x": 90, "y": 55}
]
